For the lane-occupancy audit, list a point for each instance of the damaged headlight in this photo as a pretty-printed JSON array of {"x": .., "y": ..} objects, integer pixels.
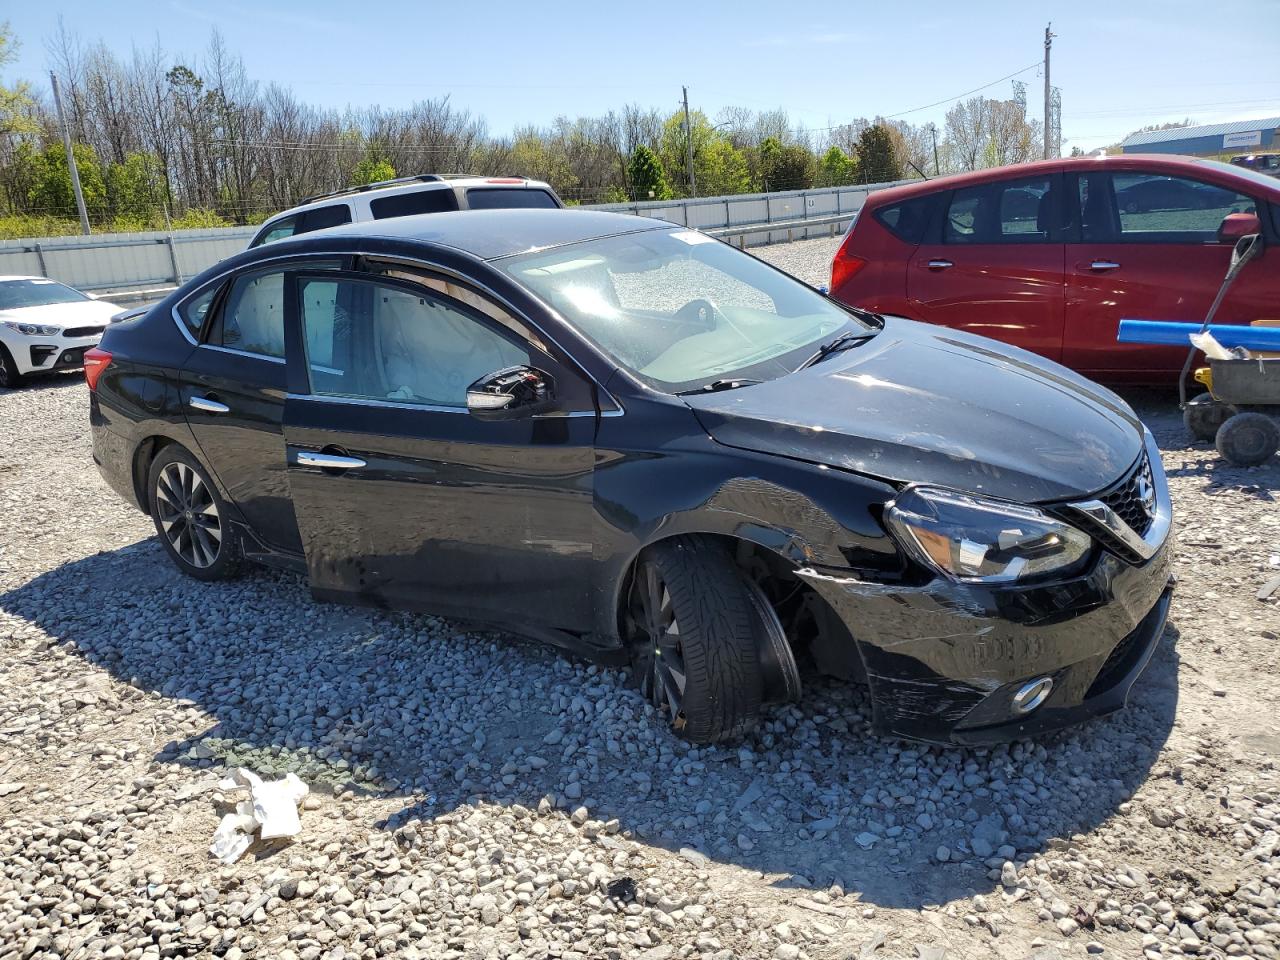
[
  {"x": 33, "y": 329},
  {"x": 971, "y": 538}
]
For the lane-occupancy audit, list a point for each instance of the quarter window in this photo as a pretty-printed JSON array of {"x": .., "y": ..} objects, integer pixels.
[
  {"x": 374, "y": 341},
  {"x": 908, "y": 219},
  {"x": 253, "y": 318},
  {"x": 194, "y": 311},
  {"x": 1009, "y": 211},
  {"x": 495, "y": 198}
]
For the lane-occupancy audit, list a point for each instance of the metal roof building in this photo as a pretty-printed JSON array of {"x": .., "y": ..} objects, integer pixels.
[{"x": 1242, "y": 136}]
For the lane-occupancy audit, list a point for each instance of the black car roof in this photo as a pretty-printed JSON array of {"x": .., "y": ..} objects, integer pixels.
[{"x": 491, "y": 234}]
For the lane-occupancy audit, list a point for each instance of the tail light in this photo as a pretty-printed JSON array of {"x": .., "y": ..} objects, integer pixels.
[
  {"x": 843, "y": 268},
  {"x": 95, "y": 361}
]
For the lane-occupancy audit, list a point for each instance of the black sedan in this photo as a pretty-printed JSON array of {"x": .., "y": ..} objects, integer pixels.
[{"x": 637, "y": 443}]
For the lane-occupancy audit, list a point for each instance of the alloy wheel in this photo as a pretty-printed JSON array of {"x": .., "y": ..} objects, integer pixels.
[
  {"x": 188, "y": 515},
  {"x": 659, "y": 654}
]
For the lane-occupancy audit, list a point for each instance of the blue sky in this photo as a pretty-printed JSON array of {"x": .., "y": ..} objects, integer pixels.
[{"x": 1139, "y": 63}]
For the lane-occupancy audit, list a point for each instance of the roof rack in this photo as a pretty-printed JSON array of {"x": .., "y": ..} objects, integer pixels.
[{"x": 416, "y": 178}]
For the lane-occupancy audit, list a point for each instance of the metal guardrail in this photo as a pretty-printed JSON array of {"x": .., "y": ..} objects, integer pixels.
[
  {"x": 151, "y": 263},
  {"x": 789, "y": 227}
]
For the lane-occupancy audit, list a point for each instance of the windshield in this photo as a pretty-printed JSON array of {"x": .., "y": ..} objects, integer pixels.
[
  {"x": 1261, "y": 179},
  {"x": 680, "y": 309},
  {"x": 15, "y": 294}
]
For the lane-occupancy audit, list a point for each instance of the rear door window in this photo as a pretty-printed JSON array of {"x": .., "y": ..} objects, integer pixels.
[
  {"x": 322, "y": 217},
  {"x": 1155, "y": 208},
  {"x": 1009, "y": 211},
  {"x": 506, "y": 198},
  {"x": 252, "y": 319},
  {"x": 908, "y": 219},
  {"x": 438, "y": 200}
]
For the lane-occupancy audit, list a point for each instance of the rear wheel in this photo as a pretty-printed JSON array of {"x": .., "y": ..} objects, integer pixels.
[
  {"x": 691, "y": 623},
  {"x": 191, "y": 517},
  {"x": 1204, "y": 415},
  {"x": 1248, "y": 439},
  {"x": 10, "y": 378}
]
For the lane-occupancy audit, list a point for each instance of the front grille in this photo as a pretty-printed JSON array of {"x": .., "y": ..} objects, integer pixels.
[
  {"x": 82, "y": 331},
  {"x": 1126, "y": 499}
]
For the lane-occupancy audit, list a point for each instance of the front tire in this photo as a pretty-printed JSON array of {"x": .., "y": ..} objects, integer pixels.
[
  {"x": 10, "y": 378},
  {"x": 691, "y": 625},
  {"x": 191, "y": 517},
  {"x": 1248, "y": 439}
]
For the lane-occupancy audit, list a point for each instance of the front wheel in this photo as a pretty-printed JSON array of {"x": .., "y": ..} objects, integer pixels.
[
  {"x": 10, "y": 378},
  {"x": 1248, "y": 439},
  {"x": 191, "y": 517},
  {"x": 691, "y": 625}
]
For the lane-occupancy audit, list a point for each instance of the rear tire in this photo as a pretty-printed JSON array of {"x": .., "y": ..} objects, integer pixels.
[
  {"x": 692, "y": 627},
  {"x": 1248, "y": 439},
  {"x": 10, "y": 378},
  {"x": 191, "y": 517},
  {"x": 1204, "y": 415}
]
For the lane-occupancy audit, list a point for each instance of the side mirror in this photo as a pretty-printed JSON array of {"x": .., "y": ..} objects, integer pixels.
[
  {"x": 511, "y": 393},
  {"x": 1237, "y": 225}
]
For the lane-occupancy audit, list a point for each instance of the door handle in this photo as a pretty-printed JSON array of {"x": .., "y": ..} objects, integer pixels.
[
  {"x": 940, "y": 264},
  {"x": 327, "y": 461},
  {"x": 1104, "y": 265},
  {"x": 207, "y": 405}
]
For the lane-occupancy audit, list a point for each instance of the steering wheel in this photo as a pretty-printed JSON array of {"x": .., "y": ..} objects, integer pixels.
[{"x": 700, "y": 313}]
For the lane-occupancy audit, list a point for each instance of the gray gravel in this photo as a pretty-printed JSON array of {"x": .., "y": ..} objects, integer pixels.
[{"x": 474, "y": 795}]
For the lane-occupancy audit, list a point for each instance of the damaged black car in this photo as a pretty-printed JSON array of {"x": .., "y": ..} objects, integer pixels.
[{"x": 631, "y": 440}]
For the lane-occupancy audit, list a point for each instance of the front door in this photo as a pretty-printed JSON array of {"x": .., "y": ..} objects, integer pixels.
[
  {"x": 430, "y": 507},
  {"x": 233, "y": 391},
  {"x": 1145, "y": 247},
  {"x": 995, "y": 267}
]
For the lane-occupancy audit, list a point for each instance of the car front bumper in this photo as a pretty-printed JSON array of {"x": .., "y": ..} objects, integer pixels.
[
  {"x": 39, "y": 354},
  {"x": 943, "y": 661}
]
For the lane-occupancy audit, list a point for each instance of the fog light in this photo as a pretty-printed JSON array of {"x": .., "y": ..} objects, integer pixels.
[{"x": 1032, "y": 695}]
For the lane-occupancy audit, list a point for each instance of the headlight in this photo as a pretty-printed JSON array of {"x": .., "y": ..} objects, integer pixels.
[
  {"x": 33, "y": 329},
  {"x": 974, "y": 539}
]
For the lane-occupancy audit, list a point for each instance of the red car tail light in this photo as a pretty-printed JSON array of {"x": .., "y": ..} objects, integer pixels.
[
  {"x": 843, "y": 268},
  {"x": 95, "y": 361}
]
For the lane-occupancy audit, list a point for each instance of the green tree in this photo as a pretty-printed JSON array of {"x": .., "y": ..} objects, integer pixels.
[
  {"x": 648, "y": 180},
  {"x": 15, "y": 102},
  {"x": 785, "y": 166},
  {"x": 835, "y": 169},
  {"x": 135, "y": 188},
  {"x": 876, "y": 160},
  {"x": 721, "y": 168},
  {"x": 372, "y": 168},
  {"x": 48, "y": 180}
]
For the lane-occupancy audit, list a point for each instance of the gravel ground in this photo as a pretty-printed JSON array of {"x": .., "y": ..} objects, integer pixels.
[{"x": 474, "y": 795}]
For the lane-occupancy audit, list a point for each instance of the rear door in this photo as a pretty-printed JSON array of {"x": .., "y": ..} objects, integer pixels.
[
  {"x": 994, "y": 264},
  {"x": 1144, "y": 245},
  {"x": 435, "y": 509},
  {"x": 233, "y": 390}
]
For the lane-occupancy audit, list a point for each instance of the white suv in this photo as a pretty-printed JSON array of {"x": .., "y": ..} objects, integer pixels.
[{"x": 425, "y": 193}]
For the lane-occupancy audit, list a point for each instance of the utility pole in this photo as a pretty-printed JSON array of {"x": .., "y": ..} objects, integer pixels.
[
  {"x": 688, "y": 144},
  {"x": 71, "y": 157},
  {"x": 1048, "y": 116},
  {"x": 933, "y": 129}
]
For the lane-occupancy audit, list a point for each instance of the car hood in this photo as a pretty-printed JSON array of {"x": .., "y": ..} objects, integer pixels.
[
  {"x": 74, "y": 314},
  {"x": 922, "y": 404}
]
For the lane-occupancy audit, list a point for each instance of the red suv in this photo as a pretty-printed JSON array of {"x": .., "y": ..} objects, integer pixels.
[{"x": 1049, "y": 256}]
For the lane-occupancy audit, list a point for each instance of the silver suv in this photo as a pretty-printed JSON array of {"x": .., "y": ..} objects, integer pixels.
[{"x": 405, "y": 196}]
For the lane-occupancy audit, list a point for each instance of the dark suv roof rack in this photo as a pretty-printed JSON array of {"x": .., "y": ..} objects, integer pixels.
[{"x": 415, "y": 178}]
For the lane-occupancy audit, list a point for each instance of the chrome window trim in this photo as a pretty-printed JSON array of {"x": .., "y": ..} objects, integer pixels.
[
  {"x": 241, "y": 353},
  {"x": 429, "y": 407},
  {"x": 1097, "y": 515}
]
